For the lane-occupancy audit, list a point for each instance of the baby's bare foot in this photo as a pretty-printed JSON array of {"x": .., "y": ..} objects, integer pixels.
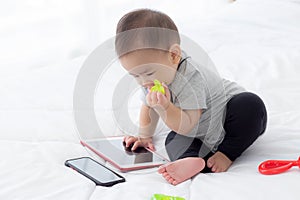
[
  {"x": 181, "y": 170},
  {"x": 219, "y": 162}
]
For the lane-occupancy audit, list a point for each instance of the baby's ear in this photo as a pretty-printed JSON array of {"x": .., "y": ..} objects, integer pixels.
[{"x": 175, "y": 54}]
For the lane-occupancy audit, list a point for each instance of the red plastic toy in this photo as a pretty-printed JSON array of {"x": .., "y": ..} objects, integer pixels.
[{"x": 271, "y": 167}]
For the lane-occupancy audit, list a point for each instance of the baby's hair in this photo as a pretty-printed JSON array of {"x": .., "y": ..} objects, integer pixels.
[{"x": 145, "y": 29}]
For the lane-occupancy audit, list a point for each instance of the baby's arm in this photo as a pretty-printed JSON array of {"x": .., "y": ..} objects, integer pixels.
[
  {"x": 148, "y": 122},
  {"x": 180, "y": 121}
]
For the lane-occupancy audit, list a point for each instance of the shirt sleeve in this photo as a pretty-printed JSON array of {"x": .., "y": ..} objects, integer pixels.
[{"x": 193, "y": 95}]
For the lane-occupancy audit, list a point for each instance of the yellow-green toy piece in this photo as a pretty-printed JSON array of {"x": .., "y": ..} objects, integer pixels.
[
  {"x": 157, "y": 87},
  {"x": 165, "y": 197}
]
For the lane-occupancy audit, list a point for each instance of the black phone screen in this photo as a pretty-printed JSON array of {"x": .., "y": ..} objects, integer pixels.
[{"x": 95, "y": 171}]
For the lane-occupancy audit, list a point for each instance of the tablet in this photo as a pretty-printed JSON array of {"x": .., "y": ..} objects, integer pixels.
[{"x": 114, "y": 151}]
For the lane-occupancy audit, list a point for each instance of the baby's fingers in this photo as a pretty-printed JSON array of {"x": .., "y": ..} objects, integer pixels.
[
  {"x": 125, "y": 138},
  {"x": 167, "y": 91},
  {"x": 136, "y": 145},
  {"x": 129, "y": 140}
]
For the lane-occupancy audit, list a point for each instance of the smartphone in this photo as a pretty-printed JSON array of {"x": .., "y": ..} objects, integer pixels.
[{"x": 95, "y": 171}]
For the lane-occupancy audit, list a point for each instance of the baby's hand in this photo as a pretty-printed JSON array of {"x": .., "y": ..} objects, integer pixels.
[
  {"x": 158, "y": 100},
  {"x": 136, "y": 142}
]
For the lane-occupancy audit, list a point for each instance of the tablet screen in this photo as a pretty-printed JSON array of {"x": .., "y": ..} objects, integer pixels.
[{"x": 114, "y": 150}]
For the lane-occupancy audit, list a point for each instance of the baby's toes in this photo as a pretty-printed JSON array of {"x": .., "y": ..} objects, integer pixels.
[
  {"x": 161, "y": 169},
  {"x": 214, "y": 168},
  {"x": 166, "y": 176},
  {"x": 210, "y": 162},
  {"x": 172, "y": 181}
]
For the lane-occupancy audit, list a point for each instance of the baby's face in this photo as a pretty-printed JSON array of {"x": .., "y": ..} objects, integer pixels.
[{"x": 147, "y": 65}]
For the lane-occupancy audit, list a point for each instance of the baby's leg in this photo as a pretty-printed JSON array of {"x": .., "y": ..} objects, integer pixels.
[{"x": 245, "y": 121}]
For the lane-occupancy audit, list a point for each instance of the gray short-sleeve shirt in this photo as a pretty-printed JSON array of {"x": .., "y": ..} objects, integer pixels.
[{"x": 197, "y": 87}]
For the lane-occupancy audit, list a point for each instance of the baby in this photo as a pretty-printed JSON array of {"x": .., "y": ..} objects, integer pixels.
[{"x": 212, "y": 120}]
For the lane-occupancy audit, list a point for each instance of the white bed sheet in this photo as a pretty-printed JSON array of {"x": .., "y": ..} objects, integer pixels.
[{"x": 255, "y": 43}]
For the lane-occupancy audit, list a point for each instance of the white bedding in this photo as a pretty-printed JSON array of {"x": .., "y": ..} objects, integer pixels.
[{"x": 253, "y": 42}]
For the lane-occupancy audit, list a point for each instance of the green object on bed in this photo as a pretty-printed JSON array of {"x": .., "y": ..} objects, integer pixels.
[{"x": 165, "y": 197}]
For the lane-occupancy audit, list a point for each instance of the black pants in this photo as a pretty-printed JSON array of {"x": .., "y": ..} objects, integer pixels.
[{"x": 245, "y": 121}]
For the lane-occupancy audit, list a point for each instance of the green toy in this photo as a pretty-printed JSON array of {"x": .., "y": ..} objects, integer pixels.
[
  {"x": 165, "y": 197},
  {"x": 158, "y": 87}
]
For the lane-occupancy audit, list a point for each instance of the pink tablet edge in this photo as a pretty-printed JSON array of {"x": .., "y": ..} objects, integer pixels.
[{"x": 122, "y": 169}]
